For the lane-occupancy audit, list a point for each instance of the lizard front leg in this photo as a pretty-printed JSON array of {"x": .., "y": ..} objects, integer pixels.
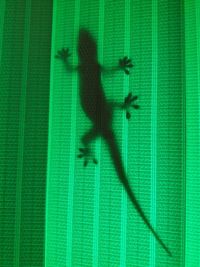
[
  {"x": 124, "y": 64},
  {"x": 64, "y": 55}
]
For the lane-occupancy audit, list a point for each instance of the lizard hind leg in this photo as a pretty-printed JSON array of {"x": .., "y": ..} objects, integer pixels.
[{"x": 86, "y": 151}]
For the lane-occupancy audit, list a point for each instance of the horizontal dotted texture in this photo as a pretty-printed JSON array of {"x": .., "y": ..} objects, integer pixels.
[
  {"x": 25, "y": 49},
  {"x": 56, "y": 212},
  {"x": 90, "y": 220}
]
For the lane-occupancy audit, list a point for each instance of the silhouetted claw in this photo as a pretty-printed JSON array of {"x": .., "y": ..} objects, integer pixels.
[
  {"x": 128, "y": 103},
  {"x": 135, "y": 106},
  {"x": 63, "y": 54},
  {"x": 125, "y": 63},
  {"x": 95, "y": 161},
  {"x": 128, "y": 115},
  {"x": 85, "y": 163},
  {"x": 86, "y": 154}
]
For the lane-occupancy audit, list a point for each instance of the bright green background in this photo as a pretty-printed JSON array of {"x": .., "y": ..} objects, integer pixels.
[{"x": 54, "y": 212}]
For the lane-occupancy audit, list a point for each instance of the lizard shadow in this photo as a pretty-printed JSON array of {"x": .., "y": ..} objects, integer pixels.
[{"x": 100, "y": 112}]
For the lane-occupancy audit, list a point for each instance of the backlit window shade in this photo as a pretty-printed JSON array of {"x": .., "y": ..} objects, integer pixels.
[
  {"x": 55, "y": 211},
  {"x": 25, "y": 47},
  {"x": 90, "y": 221}
]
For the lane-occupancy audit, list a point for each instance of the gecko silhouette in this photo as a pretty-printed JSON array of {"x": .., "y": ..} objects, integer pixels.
[{"x": 100, "y": 111}]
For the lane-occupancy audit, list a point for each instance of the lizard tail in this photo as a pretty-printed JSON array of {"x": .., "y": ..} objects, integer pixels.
[{"x": 118, "y": 164}]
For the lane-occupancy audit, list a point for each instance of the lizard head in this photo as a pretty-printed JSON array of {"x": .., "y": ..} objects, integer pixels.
[{"x": 87, "y": 47}]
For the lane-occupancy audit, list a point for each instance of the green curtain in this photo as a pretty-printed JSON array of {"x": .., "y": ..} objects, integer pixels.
[
  {"x": 25, "y": 48},
  {"x": 191, "y": 76},
  {"x": 54, "y": 211}
]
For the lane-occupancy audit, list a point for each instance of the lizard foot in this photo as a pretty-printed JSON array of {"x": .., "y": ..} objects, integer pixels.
[
  {"x": 128, "y": 103},
  {"x": 86, "y": 154},
  {"x": 124, "y": 64},
  {"x": 63, "y": 54}
]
